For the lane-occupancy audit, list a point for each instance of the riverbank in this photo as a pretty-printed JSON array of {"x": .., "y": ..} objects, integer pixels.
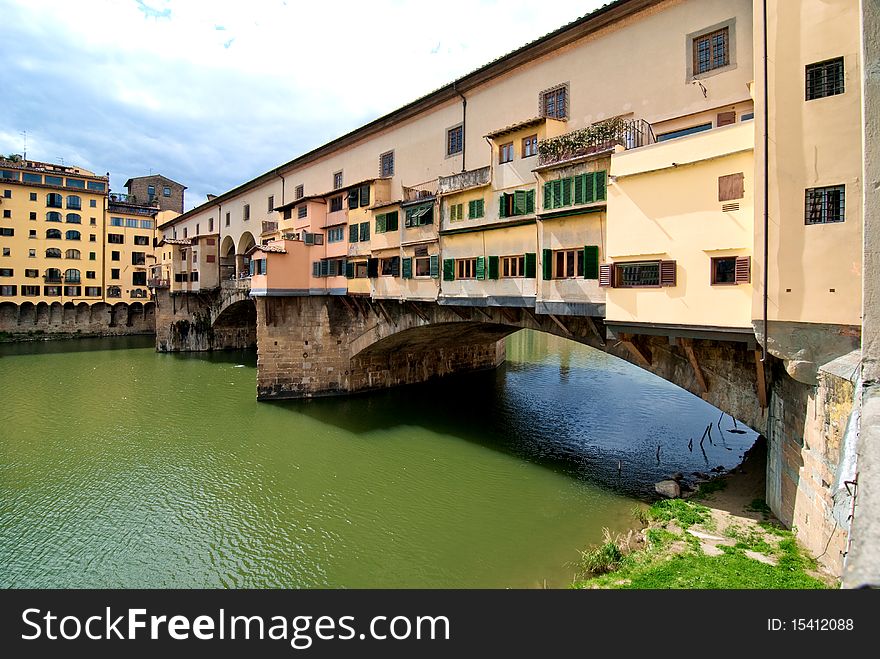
[{"x": 724, "y": 536}]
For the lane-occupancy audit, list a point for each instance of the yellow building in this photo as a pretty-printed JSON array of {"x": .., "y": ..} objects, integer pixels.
[{"x": 128, "y": 248}]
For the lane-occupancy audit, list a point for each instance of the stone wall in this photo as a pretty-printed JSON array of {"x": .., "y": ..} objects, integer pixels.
[
  {"x": 34, "y": 322},
  {"x": 201, "y": 322}
]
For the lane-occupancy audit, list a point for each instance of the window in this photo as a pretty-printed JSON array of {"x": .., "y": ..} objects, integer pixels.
[
  {"x": 151, "y": 192},
  {"x": 166, "y": 191},
  {"x": 245, "y": 215},
  {"x": 31, "y": 273},
  {"x": 7, "y": 213},
  {"x": 32, "y": 196},
  {"x": 72, "y": 235},
  {"x": 642, "y": 274},
  {"x": 365, "y": 231},
  {"x": 7, "y": 194},
  {"x": 8, "y": 291},
  {"x": 32, "y": 233},
  {"x": 258, "y": 267},
  {"x": 114, "y": 273},
  {"x": 711, "y": 51},
  {"x": 568, "y": 263},
  {"x": 185, "y": 231},
  {"x": 32, "y": 178},
  {"x": 74, "y": 202},
  {"x": 423, "y": 266},
  {"x": 520, "y": 202},
  {"x": 53, "y": 216},
  {"x": 386, "y": 164},
  {"x": 454, "y": 140},
  {"x": 74, "y": 218},
  {"x": 210, "y": 225},
  {"x": 456, "y": 212},
  {"x": 73, "y": 291},
  {"x": 92, "y": 256},
  {"x": 132, "y": 223},
  {"x": 90, "y": 274},
  {"x": 115, "y": 238},
  {"x": 138, "y": 258},
  {"x": 335, "y": 204},
  {"x": 72, "y": 254},
  {"x": 505, "y": 153},
  {"x": 139, "y": 278},
  {"x": 299, "y": 192},
  {"x": 93, "y": 291},
  {"x": 6, "y": 272},
  {"x": 530, "y": 146},
  {"x": 420, "y": 215},
  {"x": 724, "y": 270},
  {"x": 465, "y": 268},
  {"x": 353, "y": 233},
  {"x": 364, "y": 196},
  {"x": 302, "y": 211},
  {"x": 52, "y": 276},
  {"x": 96, "y": 186},
  {"x": 32, "y": 253},
  {"x": 684, "y": 131},
  {"x": 53, "y": 253},
  {"x": 386, "y": 222},
  {"x": 114, "y": 291},
  {"x": 76, "y": 183},
  {"x": 554, "y": 102},
  {"x": 114, "y": 255},
  {"x": 336, "y": 234},
  {"x": 581, "y": 189},
  {"x": 271, "y": 203},
  {"x": 53, "y": 234},
  {"x": 227, "y": 219},
  {"x": 511, "y": 266},
  {"x": 71, "y": 276},
  {"x": 6, "y": 250},
  {"x": 141, "y": 240},
  {"x": 337, "y": 180},
  {"x": 93, "y": 203},
  {"x": 390, "y": 267},
  {"x": 30, "y": 291},
  {"x": 32, "y": 216},
  {"x": 825, "y": 205},
  {"x": 824, "y": 79},
  {"x": 117, "y": 222},
  {"x": 476, "y": 208},
  {"x": 51, "y": 291},
  {"x": 288, "y": 213},
  {"x": 54, "y": 200}
]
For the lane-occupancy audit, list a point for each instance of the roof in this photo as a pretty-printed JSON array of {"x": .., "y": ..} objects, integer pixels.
[
  {"x": 579, "y": 28},
  {"x": 176, "y": 241},
  {"x": 384, "y": 204},
  {"x": 323, "y": 195},
  {"x": 274, "y": 249},
  {"x": 152, "y": 176},
  {"x": 534, "y": 121}
]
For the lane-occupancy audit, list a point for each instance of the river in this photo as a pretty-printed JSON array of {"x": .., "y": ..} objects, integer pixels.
[{"x": 121, "y": 467}]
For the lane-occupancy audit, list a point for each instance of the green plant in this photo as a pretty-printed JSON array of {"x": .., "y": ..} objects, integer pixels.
[
  {"x": 640, "y": 514},
  {"x": 602, "y": 559},
  {"x": 710, "y": 487},
  {"x": 685, "y": 513},
  {"x": 578, "y": 142}
]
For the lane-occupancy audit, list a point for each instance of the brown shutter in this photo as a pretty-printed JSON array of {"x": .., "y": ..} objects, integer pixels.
[
  {"x": 725, "y": 119},
  {"x": 667, "y": 273},
  {"x": 606, "y": 275},
  {"x": 743, "y": 269},
  {"x": 730, "y": 187}
]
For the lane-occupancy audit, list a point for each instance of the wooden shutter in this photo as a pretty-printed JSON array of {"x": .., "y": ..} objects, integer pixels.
[
  {"x": 325, "y": 268},
  {"x": 349, "y": 270},
  {"x": 725, "y": 119},
  {"x": 380, "y": 224},
  {"x": 530, "y": 201},
  {"x": 481, "y": 267},
  {"x": 480, "y": 208},
  {"x": 606, "y": 275},
  {"x": 730, "y": 187},
  {"x": 557, "y": 193},
  {"x": 365, "y": 231},
  {"x": 502, "y": 207},
  {"x": 395, "y": 266},
  {"x": 667, "y": 273},
  {"x": 407, "y": 268},
  {"x": 566, "y": 192},
  {"x": 365, "y": 195},
  {"x": 391, "y": 221},
  {"x": 579, "y": 188},
  {"x": 448, "y": 269},
  {"x": 547, "y": 264},
  {"x": 600, "y": 186},
  {"x": 743, "y": 269},
  {"x": 493, "y": 267},
  {"x": 591, "y": 262},
  {"x": 353, "y": 233},
  {"x": 531, "y": 265},
  {"x": 589, "y": 188},
  {"x": 519, "y": 202},
  {"x": 353, "y": 198},
  {"x": 316, "y": 269},
  {"x": 372, "y": 268},
  {"x": 435, "y": 266},
  {"x": 548, "y": 196}
]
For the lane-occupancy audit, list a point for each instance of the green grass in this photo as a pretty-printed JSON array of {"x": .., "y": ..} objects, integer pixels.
[
  {"x": 602, "y": 559},
  {"x": 710, "y": 487},
  {"x": 684, "y": 513}
]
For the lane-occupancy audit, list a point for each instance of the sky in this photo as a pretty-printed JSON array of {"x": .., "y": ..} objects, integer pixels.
[{"x": 214, "y": 93}]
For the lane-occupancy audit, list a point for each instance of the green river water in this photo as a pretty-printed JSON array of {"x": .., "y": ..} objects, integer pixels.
[{"x": 121, "y": 467}]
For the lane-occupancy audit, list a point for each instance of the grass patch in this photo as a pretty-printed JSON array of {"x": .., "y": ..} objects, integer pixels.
[
  {"x": 759, "y": 506},
  {"x": 684, "y": 513},
  {"x": 640, "y": 514},
  {"x": 660, "y": 537},
  {"x": 604, "y": 558},
  {"x": 711, "y": 487}
]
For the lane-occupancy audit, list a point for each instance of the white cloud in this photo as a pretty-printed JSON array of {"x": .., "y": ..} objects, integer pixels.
[{"x": 214, "y": 93}]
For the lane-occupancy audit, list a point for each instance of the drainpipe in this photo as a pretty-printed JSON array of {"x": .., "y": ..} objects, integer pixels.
[
  {"x": 766, "y": 186},
  {"x": 281, "y": 176},
  {"x": 463, "y": 127}
]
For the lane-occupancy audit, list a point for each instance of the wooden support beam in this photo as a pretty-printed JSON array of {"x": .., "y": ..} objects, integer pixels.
[
  {"x": 761, "y": 380},
  {"x": 348, "y": 306},
  {"x": 560, "y": 324},
  {"x": 595, "y": 328},
  {"x": 484, "y": 312},
  {"x": 508, "y": 313},
  {"x": 688, "y": 346},
  {"x": 421, "y": 314},
  {"x": 459, "y": 313},
  {"x": 385, "y": 313},
  {"x": 642, "y": 358},
  {"x": 357, "y": 303},
  {"x": 531, "y": 314}
]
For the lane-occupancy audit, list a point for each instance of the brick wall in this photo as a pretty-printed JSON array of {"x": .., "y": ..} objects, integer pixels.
[{"x": 56, "y": 320}]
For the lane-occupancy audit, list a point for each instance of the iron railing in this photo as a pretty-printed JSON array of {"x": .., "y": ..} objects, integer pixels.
[{"x": 598, "y": 138}]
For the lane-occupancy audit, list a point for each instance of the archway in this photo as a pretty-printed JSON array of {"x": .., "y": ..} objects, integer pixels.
[
  {"x": 245, "y": 242},
  {"x": 227, "y": 259}
]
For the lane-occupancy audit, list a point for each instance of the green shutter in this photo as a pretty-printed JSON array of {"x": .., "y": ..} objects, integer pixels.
[
  {"x": 353, "y": 233},
  {"x": 481, "y": 267},
  {"x": 530, "y": 201},
  {"x": 589, "y": 188},
  {"x": 579, "y": 188},
  {"x": 365, "y": 195},
  {"x": 365, "y": 231},
  {"x": 548, "y": 195},
  {"x": 395, "y": 266},
  {"x": 391, "y": 221},
  {"x": 591, "y": 262},
  {"x": 502, "y": 207},
  {"x": 566, "y": 191},
  {"x": 380, "y": 224},
  {"x": 531, "y": 267},
  {"x": 547, "y": 264},
  {"x": 407, "y": 268},
  {"x": 448, "y": 269},
  {"x": 480, "y": 208},
  {"x": 557, "y": 193},
  {"x": 600, "y": 186},
  {"x": 493, "y": 267},
  {"x": 435, "y": 266},
  {"x": 372, "y": 267},
  {"x": 519, "y": 202},
  {"x": 349, "y": 270}
]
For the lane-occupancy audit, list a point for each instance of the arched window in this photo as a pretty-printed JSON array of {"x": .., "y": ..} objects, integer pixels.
[
  {"x": 74, "y": 202},
  {"x": 138, "y": 293},
  {"x": 54, "y": 234},
  {"x": 72, "y": 235},
  {"x": 53, "y": 216},
  {"x": 71, "y": 276},
  {"x": 114, "y": 291},
  {"x": 53, "y": 275},
  {"x": 54, "y": 200},
  {"x": 74, "y": 218},
  {"x": 72, "y": 254}
]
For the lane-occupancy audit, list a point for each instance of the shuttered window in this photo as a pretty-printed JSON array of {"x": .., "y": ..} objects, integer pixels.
[
  {"x": 456, "y": 212},
  {"x": 730, "y": 270},
  {"x": 476, "y": 208},
  {"x": 606, "y": 275},
  {"x": 581, "y": 189},
  {"x": 520, "y": 202},
  {"x": 591, "y": 262},
  {"x": 435, "y": 266},
  {"x": 730, "y": 187},
  {"x": 353, "y": 233},
  {"x": 407, "y": 268},
  {"x": 365, "y": 231},
  {"x": 448, "y": 269},
  {"x": 466, "y": 268},
  {"x": 481, "y": 267},
  {"x": 640, "y": 274},
  {"x": 353, "y": 197},
  {"x": 531, "y": 265},
  {"x": 365, "y": 195},
  {"x": 512, "y": 266}
]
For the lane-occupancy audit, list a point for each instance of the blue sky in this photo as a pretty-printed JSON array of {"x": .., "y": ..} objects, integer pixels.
[{"x": 214, "y": 93}]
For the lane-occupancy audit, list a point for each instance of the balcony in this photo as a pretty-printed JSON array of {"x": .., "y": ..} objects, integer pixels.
[
  {"x": 52, "y": 279},
  {"x": 122, "y": 198},
  {"x": 598, "y": 138},
  {"x": 464, "y": 180},
  {"x": 156, "y": 282}
]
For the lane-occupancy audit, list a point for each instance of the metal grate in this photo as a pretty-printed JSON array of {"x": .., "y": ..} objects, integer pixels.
[
  {"x": 711, "y": 51},
  {"x": 729, "y": 208},
  {"x": 825, "y": 205},
  {"x": 825, "y": 79}
]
